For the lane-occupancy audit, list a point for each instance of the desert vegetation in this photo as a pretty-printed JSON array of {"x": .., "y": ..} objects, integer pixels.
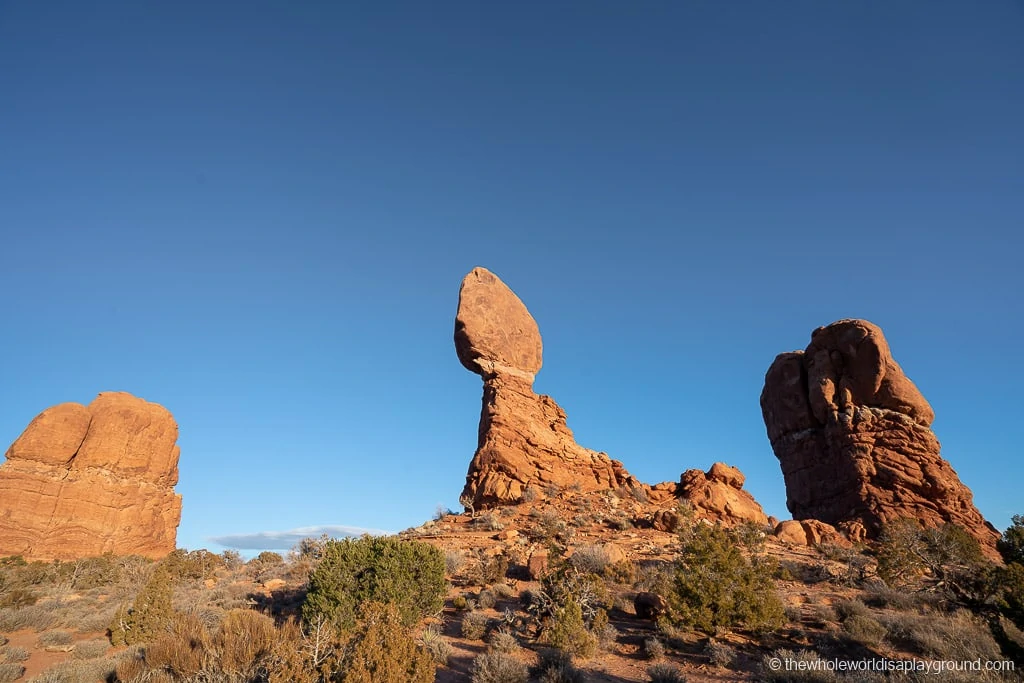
[{"x": 449, "y": 602}]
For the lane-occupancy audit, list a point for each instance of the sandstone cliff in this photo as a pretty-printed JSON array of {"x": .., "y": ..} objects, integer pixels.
[
  {"x": 85, "y": 480},
  {"x": 853, "y": 436}
]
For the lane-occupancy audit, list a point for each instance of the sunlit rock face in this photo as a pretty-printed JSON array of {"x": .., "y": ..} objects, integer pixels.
[{"x": 86, "y": 480}]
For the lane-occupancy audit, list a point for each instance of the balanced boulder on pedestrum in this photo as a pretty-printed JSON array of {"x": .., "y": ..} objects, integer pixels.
[
  {"x": 853, "y": 435},
  {"x": 523, "y": 437},
  {"x": 87, "y": 480}
]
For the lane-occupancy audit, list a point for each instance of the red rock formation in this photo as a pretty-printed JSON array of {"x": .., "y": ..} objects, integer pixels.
[
  {"x": 853, "y": 436},
  {"x": 85, "y": 480},
  {"x": 718, "y": 495},
  {"x": 523, "y": 437}
]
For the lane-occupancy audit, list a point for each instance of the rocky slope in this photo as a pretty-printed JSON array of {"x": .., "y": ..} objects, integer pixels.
[{"x": 86, "y": 480}]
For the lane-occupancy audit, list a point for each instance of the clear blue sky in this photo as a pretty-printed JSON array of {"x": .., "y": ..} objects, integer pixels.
[{"x": 258, "y": 214}]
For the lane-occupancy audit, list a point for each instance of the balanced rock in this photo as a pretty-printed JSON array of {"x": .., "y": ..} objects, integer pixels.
[
  {"x": 853, "y": 435},
  {"x": 87, "y": 480},
  {"x": 523, "y": 437}
]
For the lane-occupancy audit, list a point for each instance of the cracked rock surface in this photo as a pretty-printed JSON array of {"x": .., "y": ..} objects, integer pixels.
[
  {"x": 853, "y": 436},
  {"x": 86, "y": 480}
]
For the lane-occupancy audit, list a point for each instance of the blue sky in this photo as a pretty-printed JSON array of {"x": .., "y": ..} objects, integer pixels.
[{"x": 258, "y": 214}]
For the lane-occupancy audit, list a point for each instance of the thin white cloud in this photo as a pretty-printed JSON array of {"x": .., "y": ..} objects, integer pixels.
[{"x": 283, "y": 540}]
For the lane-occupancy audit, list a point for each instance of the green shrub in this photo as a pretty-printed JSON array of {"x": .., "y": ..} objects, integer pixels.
[
  {"x": 499, "y": 667},
  {"x": 715, "y": 586},
  {"x": 1011, "y": 545},
  {"x": 407, "y": 574},
  {"x": 382, "y": 650},
  {"x": 1011, "y": 592},
  {"x": 943, "y": 559},
  {"x": 151, "y": 613},
  {"x": 474, "y": 625},
  {"x": 568, "y": 631}
]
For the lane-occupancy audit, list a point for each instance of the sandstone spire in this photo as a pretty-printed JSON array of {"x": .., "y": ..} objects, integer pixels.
[{"x": 853, "y": 436}]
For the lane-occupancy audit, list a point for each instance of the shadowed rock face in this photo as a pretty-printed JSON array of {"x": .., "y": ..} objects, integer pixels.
[
  {"x": 523, "y": 437},
  {"x": 853, "y": 436},
  {"x": 86, "y": 480}
]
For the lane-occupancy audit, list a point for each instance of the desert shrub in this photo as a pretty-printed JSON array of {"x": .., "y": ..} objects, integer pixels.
[
  {"x": 548, "y": 525},
  {"x": 486, "y": 599},
  {"x": 382, "y": 650},
  {"x": 489, "y": 522},
  {"x": 808, "y": 673},
  {"x": 91, "y": 649},
  {"x": 592, "y": 559},
  {"x": 503, "y": 590},
  {"x": 957, "y": 636},
  {"x": 624, "y": 572},
  {"x": 555, "y": 666},
  {"x": 78, "y": 670},
  {"x": 149, "y": 616},
  {"x": 568, "y": 584},
  {"x": 503, "y": 640},
  {"x": 407, "y": 574},
  {"x": 882, "y": 596},
  {"x": 715, "y": 586},
  {"x": 13, "y": 654},
  {"x": 55, "y": 638},
  {"x": 453, "y": 561},
  {"x": 434, "y": 643},
  {"x": 851, "y": 608},
  {"x": 1011, "y": 592},
  {"x": 720, "y": 654},
  {"x": 191, "y": 565},
  {"x": 19, "y": 597},
  {"x": 1011, "y": 545},
  {"x": 945, "y": 559},
  {"x": 605, "y": 633},
  {"x": 460, "y": 602},
  {"x": 474, "y": 625},
  {"x": 664, "y": 672},
  {"x": 864, "y": 629},
  {"x": 653, "y": 648},
  {"x": 499, "y": 667},
  {"x": 494, "y": 569},
  {"x": 568, "y": 631},
  {"x": 35, "y": 617},
  {"x": 10, "y": 672},
  {"x": 654, "y": 578}
]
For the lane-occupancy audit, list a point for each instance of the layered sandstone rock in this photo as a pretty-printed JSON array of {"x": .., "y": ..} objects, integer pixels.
[
  {"x": 853, "y": 436},
  {"x": 523, "y": 437},
  {"x": 85, "y": 480}
]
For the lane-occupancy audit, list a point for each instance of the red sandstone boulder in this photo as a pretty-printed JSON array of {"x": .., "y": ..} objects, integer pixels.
[
  {"x": 853, "y": 436},
  {"x": 86, "y": 480},
  {"x": 717, "y": 495}
]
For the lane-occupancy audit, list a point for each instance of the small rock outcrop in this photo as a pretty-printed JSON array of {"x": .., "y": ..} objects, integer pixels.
[
  {"x": 853, "y": 436},
  {"x": 523, "y": 437},
  {"x": 86, "y": 480},
  {"x": 718, "y": 495}
]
